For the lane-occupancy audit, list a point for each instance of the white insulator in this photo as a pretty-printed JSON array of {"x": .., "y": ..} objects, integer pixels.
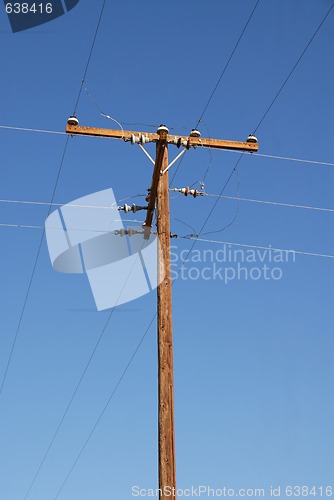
[
  {"x": 73, "y": 120},
  {"x": 195, "y": 133},
  {"x": 143, "y": 139},
  {"x": 252, "y": 138},
  {"x": 127, "y": 208},
  {"x": 134, "y": 139},
  {"x": 162, "y": 128},
  {"x": 122, "y": 232}
]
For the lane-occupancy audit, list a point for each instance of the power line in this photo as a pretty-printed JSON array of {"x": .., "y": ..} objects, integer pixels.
[
  {"x": 52, "y": 198},
  {"x": 89, "y": 56},
  {"x": 299, "y": 252},
  {"x": 225, "y": 197},
  {"x": 196, "y": 239},
  {"x": 294, "y": 67},
  {"x": 83, "y": 375},
  {"x": 25, "y": 129},
  {"x": 277, "y": 157},
  {"x": 219, "y": 79},
  {"x": 105, "y": 407},
  {"x": 266, "y": 202},
  {"x": 32, "y": 275},
  {"x": 77, "y": 205},
  {"x": 285, "y": 158},
  {"x": 135, "y": 352},
  {"x": 228, "y": 62},
  {"x": 100, "y": 231}
]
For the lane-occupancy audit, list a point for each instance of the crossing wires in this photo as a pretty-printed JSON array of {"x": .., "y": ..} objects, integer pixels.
[
  {"x": 25, "y": 301},
  {"x": 221, "y": 77},
  {"x": 294, "y": 67}
]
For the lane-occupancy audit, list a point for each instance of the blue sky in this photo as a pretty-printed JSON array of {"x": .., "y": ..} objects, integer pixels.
[{"x": 253, "y": 358}]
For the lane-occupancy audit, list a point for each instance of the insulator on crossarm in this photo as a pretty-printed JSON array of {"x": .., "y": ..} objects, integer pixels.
[
  {"x": 186, "y": 191},
  {"x": 143, "y": 139},
  {"x": 133, "y": 208},
  {"x": 179, "y": 142},
  {"x": 134, "y": 139},
  {"x": 195, "y": 133},
  {"x": 162, "y": 129},
  {"x": 73, "y": 120}
]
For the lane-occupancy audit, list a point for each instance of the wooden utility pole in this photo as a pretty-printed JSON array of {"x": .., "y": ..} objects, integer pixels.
[
  {"x": 159, "y": 199},
  {"x": 167, "y": 466}
]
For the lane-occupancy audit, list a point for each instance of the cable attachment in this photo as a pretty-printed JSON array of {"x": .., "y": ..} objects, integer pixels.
[
  {"x": 179, "y": 142},
  {"x": 194, "y": 133},
  {"x": 186, "y": 191},
  {"x": 148, "y": 195},
  {"x": 139, "y": 139},
  {"x": 133, "y": 208},
  {"x": 127, "y": 232}
]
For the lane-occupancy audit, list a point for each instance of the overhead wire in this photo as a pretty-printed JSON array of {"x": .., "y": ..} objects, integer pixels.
[
  {"x": 135, "y": 352},
  {"x": 195, "y": 240},
  {"x": 299, "y": 252},
  {"x": 102, "y": 113},
  {"x": 294, "y": 67},
  {"x": 285, "y": 81},
  {"x": 285, "y": 158},
  {"x": 237, "y": 208},
  {"x": 89, "y": 56},
  {"x": 25, "y": 129},
  {"x": 105, "y": 407},
  {"x": 227, "y": 63},
  {"x": 277, "y": 157},
  {"x": 220, "y": 78},
  {"x": 281, "y": 204},
  {"x": 90, "y": 358},
  {"x": 75, "y": 205},
  {"x": 225, "y": 197},
  {"x": 31, "y": 276},
  {"x": 52, "y": 199}
]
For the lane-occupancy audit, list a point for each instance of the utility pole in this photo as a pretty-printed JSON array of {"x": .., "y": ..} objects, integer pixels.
[{"x": 159, "y": 199}]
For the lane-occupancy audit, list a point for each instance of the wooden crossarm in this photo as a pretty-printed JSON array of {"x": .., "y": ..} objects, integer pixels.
[{"x": 171, "y": 139}]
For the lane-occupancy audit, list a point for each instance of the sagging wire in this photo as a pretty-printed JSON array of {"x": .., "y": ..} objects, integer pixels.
[
  {"x": 237, "y": 198},
  {"x": 102, "y": 113},
  {"x": 182, "y": 222},
  {"x": 237, "y": 209},
  {"x": 202, "y": 182}
]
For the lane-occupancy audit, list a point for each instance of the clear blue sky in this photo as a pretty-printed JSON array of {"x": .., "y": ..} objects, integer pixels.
[{"x": 253, "y": 358}]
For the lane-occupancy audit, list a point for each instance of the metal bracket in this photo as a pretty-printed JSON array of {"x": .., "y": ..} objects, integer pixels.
[{"x": 172, "y": 163}]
